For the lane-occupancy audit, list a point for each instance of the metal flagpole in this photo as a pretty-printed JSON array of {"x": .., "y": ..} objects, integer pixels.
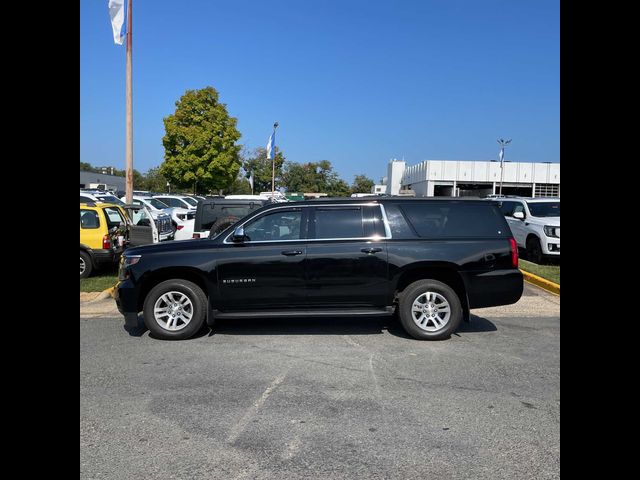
[
  {"x": 503, "y": 143},
  {"x": 129, "y": 108},
  {"x": 273, "y": 162}
]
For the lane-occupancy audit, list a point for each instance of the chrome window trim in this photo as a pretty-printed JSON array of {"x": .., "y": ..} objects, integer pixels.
[{"x": 385, "y": 220}]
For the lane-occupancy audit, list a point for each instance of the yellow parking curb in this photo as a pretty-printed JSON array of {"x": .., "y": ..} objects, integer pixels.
[{"x": 543, "y": 283}]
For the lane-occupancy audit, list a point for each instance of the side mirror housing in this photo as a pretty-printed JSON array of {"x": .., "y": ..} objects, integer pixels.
[
  {"x": 238, "y": 235},
  {"x": 518, "y": 215}
]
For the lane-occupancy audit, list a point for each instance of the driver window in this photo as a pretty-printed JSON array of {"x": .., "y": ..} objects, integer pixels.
[
  {"x": 280, "y": 225},
  {"x": 518, "y": 208}
]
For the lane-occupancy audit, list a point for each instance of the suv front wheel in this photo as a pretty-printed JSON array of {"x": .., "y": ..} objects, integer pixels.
[
  {"x": 175, "y": 309},
  {"x": 429, "y": 310}
]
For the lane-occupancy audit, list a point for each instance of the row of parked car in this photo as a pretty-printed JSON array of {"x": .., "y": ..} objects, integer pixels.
[{"x": 108, "y": 225}]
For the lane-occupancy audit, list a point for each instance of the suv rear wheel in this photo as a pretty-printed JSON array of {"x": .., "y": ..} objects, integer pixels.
[
  {"x": 175, "y": 309},
  {"x": 85, "y": 264},
  {"x": 429, "y": 310}
]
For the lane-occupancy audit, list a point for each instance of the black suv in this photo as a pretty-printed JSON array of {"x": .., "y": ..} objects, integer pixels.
[{"x": 429, "y": 260}]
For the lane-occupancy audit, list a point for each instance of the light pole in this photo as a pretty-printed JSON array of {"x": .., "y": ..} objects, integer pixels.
[
  {"x": 503, "y": 143},
  {"x": 273, "y": 162}
]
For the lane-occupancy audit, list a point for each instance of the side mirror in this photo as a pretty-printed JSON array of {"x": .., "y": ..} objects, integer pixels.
[
  {"x": 518, "y": 215},
  {"x": 238, "y": 235}
]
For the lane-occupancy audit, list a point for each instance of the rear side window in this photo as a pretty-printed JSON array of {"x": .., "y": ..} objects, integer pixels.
[
  {"x": 441, "y": 220},
  {"x": 338, "y": 222},
  {"x": 85, "y": 199},
  {"x": 397, "y": 223},
  {"x": 89, "y": 219}
]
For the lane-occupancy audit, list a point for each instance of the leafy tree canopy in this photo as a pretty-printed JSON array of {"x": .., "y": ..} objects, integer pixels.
[
  {"x": 258, "y": 163},
  {"x": 200, "y": 143},
  {"x": 362, "y": 184}
]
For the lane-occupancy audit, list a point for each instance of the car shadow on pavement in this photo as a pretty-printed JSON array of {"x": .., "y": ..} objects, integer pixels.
[{"x": 315, "y": 326}]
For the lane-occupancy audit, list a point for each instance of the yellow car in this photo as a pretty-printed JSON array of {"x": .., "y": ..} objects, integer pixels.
[{"x": 103, "y": 228}]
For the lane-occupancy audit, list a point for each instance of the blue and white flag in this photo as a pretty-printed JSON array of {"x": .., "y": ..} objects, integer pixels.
[
  {"x": 117, "y": 14},
  {"x": 271, "y": 145},
  {"x": 501, "y": 155}
]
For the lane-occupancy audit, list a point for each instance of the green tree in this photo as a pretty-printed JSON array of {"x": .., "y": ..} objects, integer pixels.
[
  {"x": 362, "y": 184},
  {"x": 318, "y": 177},
  {"x": 154, "y": 181},
  {"x": 200, "y": 143},
  {"x": 258, "y": 163},
  {"x": 240, "y": 186}
]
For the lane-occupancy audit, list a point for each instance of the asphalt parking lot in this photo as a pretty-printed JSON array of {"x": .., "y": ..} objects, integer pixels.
[{"x": 324, "y": 398}]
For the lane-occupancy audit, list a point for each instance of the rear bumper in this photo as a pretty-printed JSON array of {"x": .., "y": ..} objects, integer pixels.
[
  {"x": 126, "y": 296},
  {"x": 494, "y": 288},
  {"x": 101, "y": 257}
]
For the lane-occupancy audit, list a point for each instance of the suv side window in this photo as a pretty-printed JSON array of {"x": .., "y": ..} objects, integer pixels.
[
  {"x": 276, "y": 226},
  {"x": 338, "y": 222},
  {"x": 518, "y": 208},
  {"x": 397, "y": 223},
  {"x": 89, "y": 219},
  {"x": 455, "y": 220}
]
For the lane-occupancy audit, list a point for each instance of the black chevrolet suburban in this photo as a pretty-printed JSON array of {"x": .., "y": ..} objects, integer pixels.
[{"x": 427, "y": 260}]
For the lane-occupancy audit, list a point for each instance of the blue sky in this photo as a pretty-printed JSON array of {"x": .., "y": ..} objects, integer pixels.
[{"x": 351, "y": 81}]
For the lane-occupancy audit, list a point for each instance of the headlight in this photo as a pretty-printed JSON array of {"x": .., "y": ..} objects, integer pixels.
[
  {"x": 126, "y": 261},
  {"x": 550, "y": 231},
  {"x": 131, "y": 260}
]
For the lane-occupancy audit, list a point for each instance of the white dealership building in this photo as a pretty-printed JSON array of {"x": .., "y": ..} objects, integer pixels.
[{"x": 459, "y": 178}]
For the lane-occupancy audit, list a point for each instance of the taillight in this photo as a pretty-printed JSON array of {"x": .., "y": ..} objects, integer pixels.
[
  {"x": 514, "y": 252},
  {"x": 106, "y": 242},
  {"x": 180, "y": 227}
]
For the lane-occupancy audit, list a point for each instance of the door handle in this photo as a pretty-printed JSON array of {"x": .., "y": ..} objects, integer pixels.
[
  {"x": 371, "y": 250},
  {"x": 291, "y": 253}
]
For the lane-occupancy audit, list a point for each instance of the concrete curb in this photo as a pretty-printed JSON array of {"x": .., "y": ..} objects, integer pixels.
[
  {"x": 109, "y": 292},
  {"x": 543, "y": 283}
]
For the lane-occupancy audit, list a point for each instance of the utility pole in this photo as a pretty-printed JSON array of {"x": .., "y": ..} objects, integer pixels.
[
  {"x": 129, "y": 108},
  {"x": 503, "y": 143},
  {"x": 273, "y": 162}
]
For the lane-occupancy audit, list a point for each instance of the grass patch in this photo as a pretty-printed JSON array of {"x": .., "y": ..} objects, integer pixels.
[
  {"x": 100, "y": 280},
  {"x": 550, "y": 272}
]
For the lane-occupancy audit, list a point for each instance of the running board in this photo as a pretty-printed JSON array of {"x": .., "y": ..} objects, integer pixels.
[{"x": 326, "y": 312}]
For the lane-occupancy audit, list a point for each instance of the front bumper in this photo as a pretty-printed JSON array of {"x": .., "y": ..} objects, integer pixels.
[
  {"x": 126, "y": 296},
  {"x": 551, "y": 246}
]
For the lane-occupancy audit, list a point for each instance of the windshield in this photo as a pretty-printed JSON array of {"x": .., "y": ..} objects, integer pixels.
[
  {"x": 544, "y": 209},
  {"x": 155, "y": 203},
  {"x": 190, "y": 201}
]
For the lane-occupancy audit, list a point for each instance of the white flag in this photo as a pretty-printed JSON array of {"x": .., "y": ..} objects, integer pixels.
[
  {"x": 271, "y": 145},
  {"x": 501, "y": 155},
  {"x": 251, "y": 180},
  {"x": 116, "y": 12}
]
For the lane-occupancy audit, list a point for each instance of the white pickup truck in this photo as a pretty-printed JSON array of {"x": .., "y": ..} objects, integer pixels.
[{"x": 535, "y": 224}]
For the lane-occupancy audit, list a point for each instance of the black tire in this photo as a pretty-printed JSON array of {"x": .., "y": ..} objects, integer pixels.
[
  {"x": 195, "y": 295},
  {"x": 222, "y": 224},
  {"x": 85, "y": 259},
  {"x": 534, "y": 250},
  {"x": 413, "y": 292}
]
